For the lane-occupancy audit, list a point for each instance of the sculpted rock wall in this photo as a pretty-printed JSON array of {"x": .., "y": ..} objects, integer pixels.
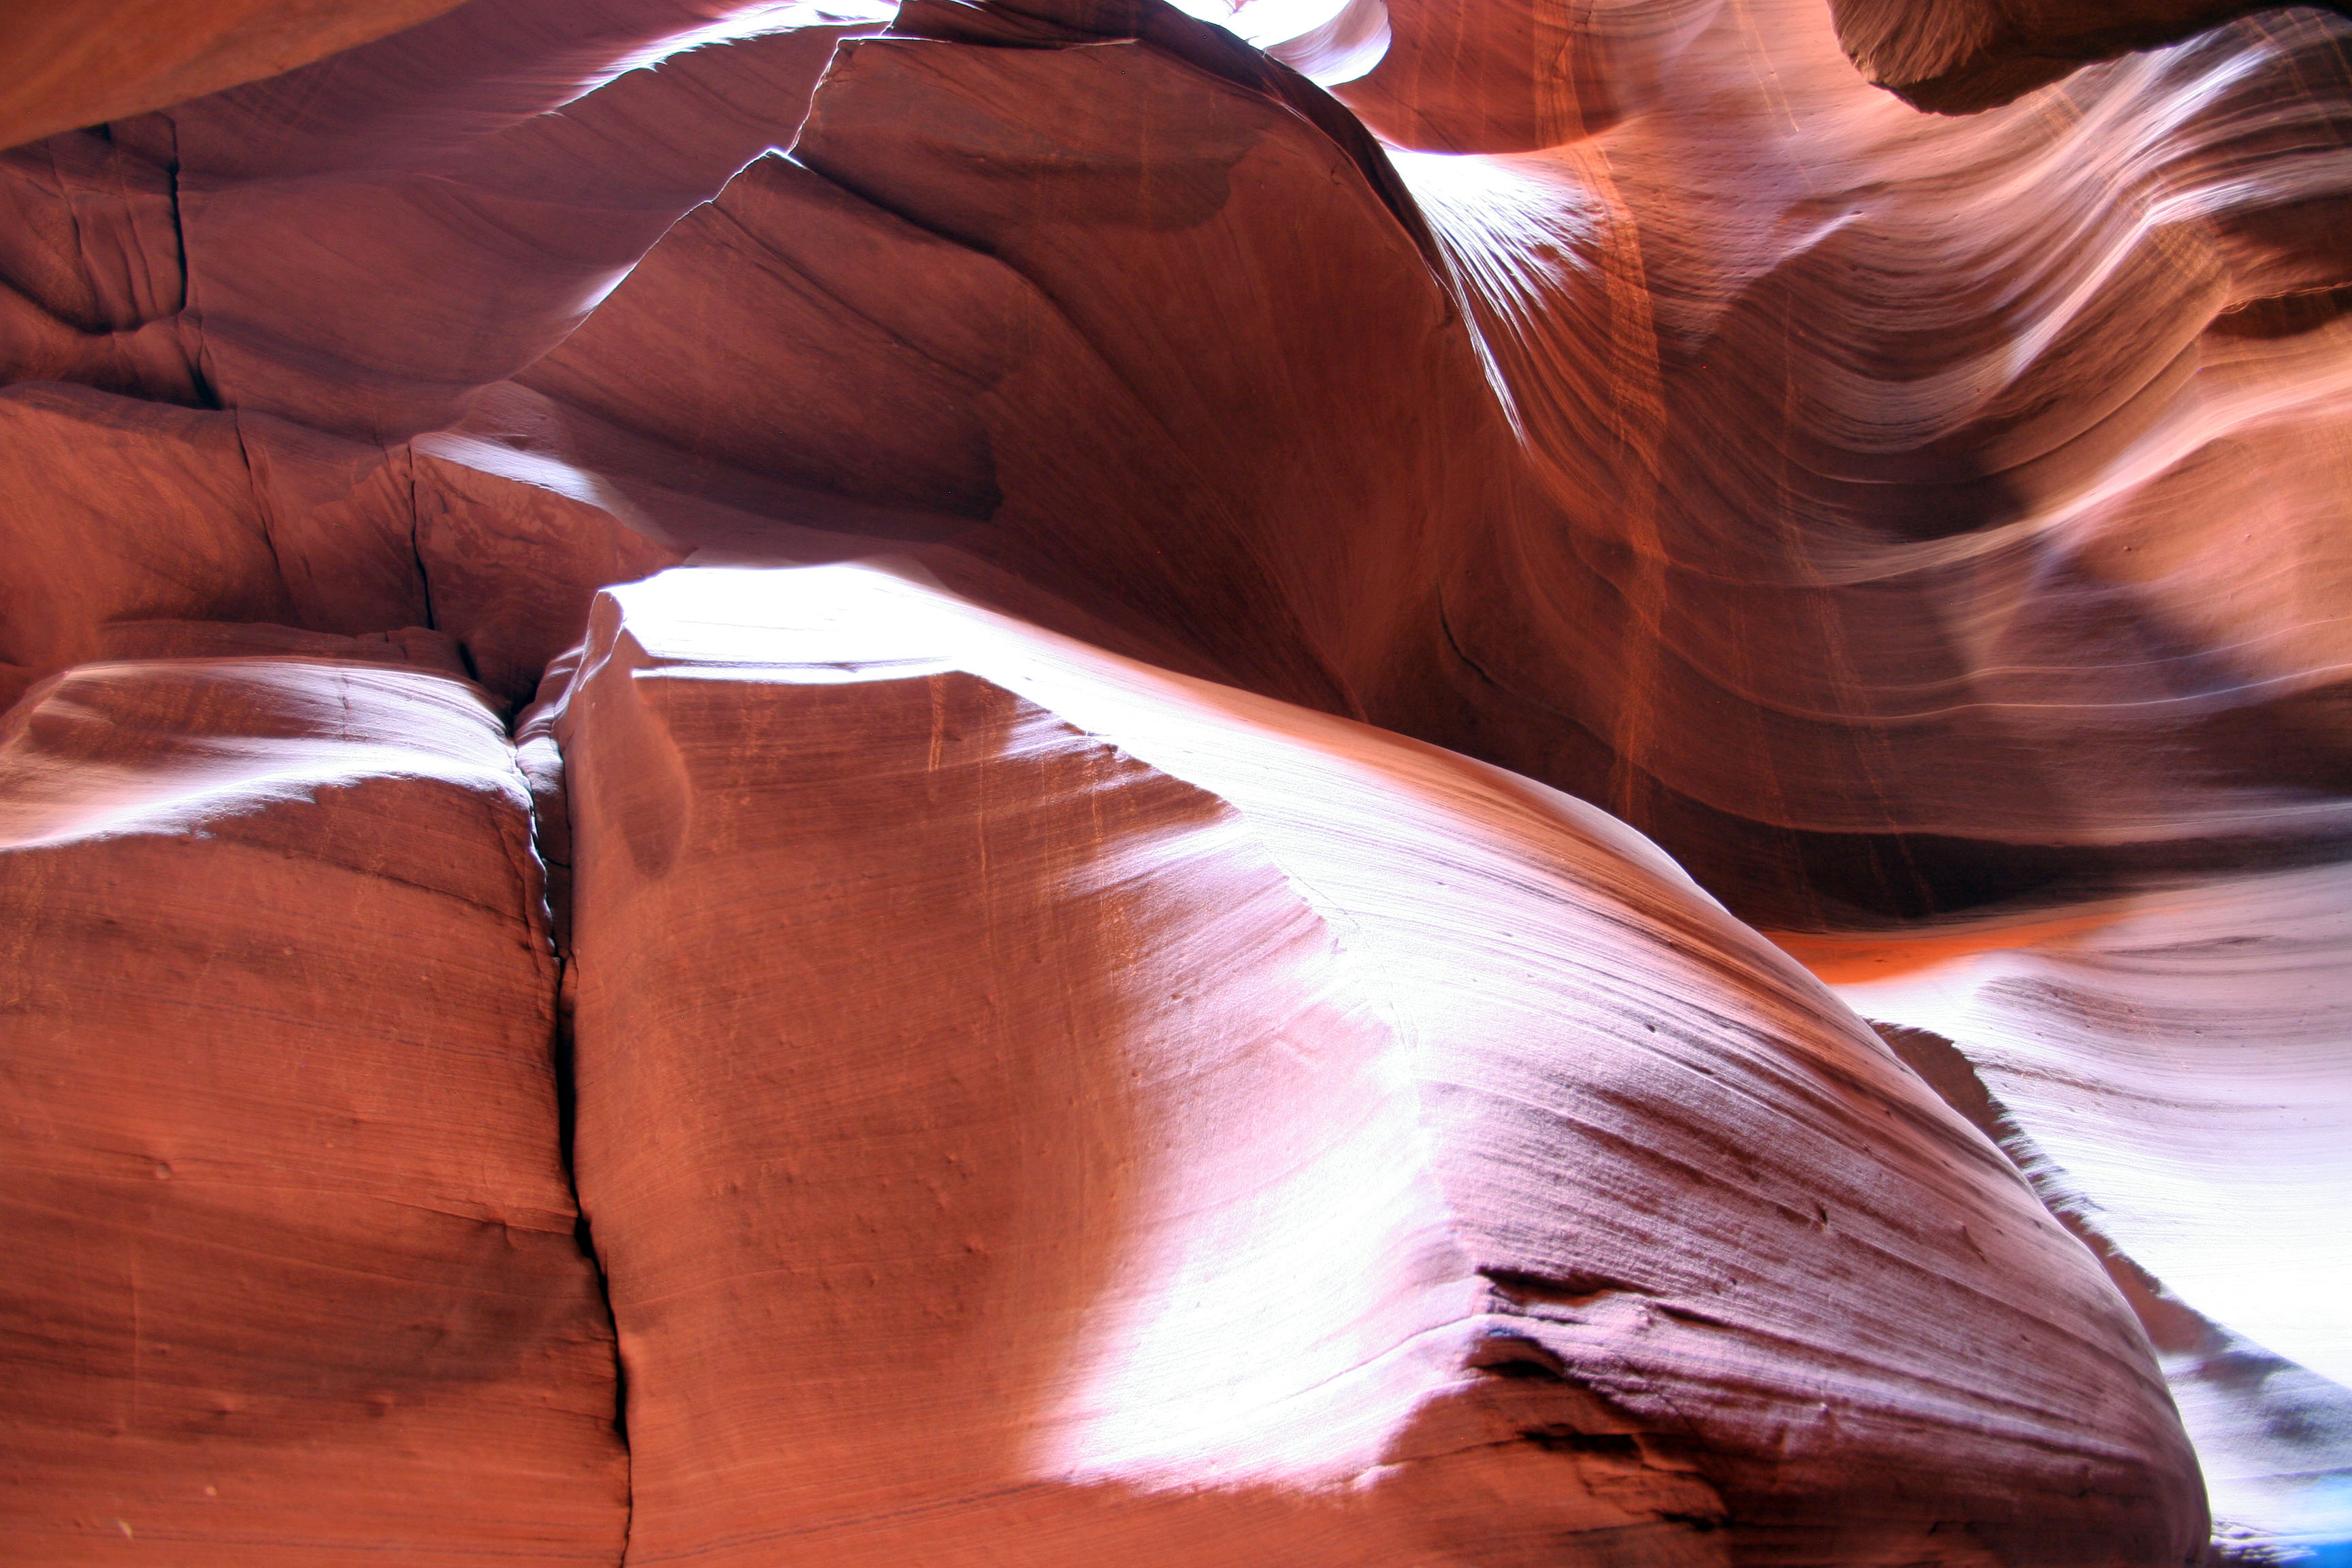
[
  {"x": 2168, "y": 1068},
  {"x": 293, "y": 1277},
  {"x": 2067, "y": 538},
  {"x": 133, "y": 511},
  {"x": 1958, "y": 56},
  {"x": 83, "y": 64},
  {"x": 1028, "y": 1097},
  {"x": 1937, "y": 503},
  {"x": 1926, "y": 529},
  {"x": 1620, "y": 474}
]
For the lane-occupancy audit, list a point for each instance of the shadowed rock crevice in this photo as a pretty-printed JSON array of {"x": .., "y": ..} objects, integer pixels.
[{"x": 539, "y": 769}]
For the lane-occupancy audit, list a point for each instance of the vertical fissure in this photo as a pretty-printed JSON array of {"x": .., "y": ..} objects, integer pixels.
[
  {"x": 425, "y": 580},
  {"x": 546, "y": 797}
]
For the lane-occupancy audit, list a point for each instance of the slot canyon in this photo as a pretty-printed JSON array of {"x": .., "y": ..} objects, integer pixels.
[{"x": 1068, "y": 784}]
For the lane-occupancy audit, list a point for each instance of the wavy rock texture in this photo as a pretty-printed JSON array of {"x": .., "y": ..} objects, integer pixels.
[
  {"x": 293, "y": 1271},
  {"x": 1957, "y": 55},
  {"x": 2168, "y": 1068},
  {"x": 84, "y": 64},
  {"x": 1927, "y": 529},
  {"x": 1032, "y": 1102}
]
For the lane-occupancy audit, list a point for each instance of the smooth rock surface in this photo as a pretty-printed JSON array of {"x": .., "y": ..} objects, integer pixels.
[
  {"x": 1926, "y": 529},
  {"x": 1582, "y": 499},
  {"x": 1570, "y": 490},
  {"x": 126, "y": 511},
  {"x": 84, "y": 63},
  {"x": 1031, "y": 1104},
  {"x": 2168, "y": 1066},
  {"x": 1956, "y": 56},
  {"x": 293, "y": 1274}
]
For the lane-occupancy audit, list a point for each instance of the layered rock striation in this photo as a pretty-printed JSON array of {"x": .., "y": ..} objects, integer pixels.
[
  {"x": 294, "y": 1275},
  {"x": 1031, "y": 1103},
  {"x": 1053, "y": 1058}
]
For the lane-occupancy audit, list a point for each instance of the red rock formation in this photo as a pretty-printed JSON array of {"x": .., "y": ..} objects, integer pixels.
[
  {"x": 82, "y": 64},
  {"x": 135, "y": 511},
  {"x": 293, "y": 1276},
  {"x": 1032, "y": 1102},
  {"x": 2167, "y": 1068},
  {"x": 1925, "y": 529},
  {"x": 1957, "y": 55}
]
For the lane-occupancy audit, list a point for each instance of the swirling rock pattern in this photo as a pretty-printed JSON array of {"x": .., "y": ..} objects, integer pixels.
[
  {"x": 1063, "y": 1066},
  {"x": 1964, "y": 55}
]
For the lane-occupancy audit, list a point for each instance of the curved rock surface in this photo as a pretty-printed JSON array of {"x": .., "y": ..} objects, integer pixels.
[
  {"x": 293, "y": 1277},
  {"x": 1958, "y": 56},
  {"x": 2168, "y": 1068},
  {"x": 85, "y": 64},
  {"x": 1028, "y": 1097},
  {"x": 1926, "y": 529}
]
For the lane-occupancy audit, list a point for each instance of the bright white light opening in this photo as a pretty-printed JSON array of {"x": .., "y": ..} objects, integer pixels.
[
  {"x": 754, "y": 20},
  {"x": 1327, "y": 41}
]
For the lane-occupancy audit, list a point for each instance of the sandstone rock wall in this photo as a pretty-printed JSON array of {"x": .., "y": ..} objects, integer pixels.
[
  {"x": 293, "y": 1274},
  {"x": 1031, "y": 1103},
  {"x": 1054, "y": 1060}
]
